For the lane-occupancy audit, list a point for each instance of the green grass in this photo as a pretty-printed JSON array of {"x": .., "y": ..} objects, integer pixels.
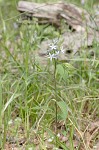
[{"x": 28, "y": 93}]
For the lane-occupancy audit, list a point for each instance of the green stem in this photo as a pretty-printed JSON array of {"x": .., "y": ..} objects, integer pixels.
[{"x": 55, "y": 87}]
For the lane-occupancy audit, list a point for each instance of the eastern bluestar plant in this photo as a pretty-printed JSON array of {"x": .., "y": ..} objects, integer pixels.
[{"x": 54, "y": 50}]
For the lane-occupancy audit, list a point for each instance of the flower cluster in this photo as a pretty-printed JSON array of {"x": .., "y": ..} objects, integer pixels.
[{"x": 54, "y": 49}]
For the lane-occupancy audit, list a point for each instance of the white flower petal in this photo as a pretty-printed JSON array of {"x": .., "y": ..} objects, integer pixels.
[{"x": 62, "y": 50}]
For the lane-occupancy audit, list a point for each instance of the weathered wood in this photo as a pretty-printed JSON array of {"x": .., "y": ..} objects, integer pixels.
[{"x": 75, "y": 17}]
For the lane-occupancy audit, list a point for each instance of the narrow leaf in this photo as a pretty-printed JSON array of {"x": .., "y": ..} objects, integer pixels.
[{"x": 64, "y": 109}]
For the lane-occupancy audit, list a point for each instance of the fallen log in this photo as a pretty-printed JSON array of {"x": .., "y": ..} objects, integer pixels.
[{"x": 75, "y": 17}]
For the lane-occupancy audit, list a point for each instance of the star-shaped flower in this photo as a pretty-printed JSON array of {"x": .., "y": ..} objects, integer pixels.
[
  {"x": 52, "y": 56},
  {"x": 53, "y": 46}
]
